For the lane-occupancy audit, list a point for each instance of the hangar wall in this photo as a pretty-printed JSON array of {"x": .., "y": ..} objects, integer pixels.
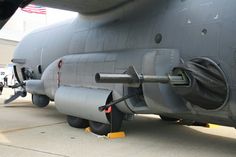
[{"x": 7, "y": 48}]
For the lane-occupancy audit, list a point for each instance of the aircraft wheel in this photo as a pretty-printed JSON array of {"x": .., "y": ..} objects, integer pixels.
[
  {"x": 169, "y": 119},
  {"x": 40, "y": 100},
  {"x": 77, "y": 122},
  {"x": 115, "y": 118}
]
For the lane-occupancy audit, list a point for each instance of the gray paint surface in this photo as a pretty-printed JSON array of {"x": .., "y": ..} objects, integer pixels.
[
  {"x": 82, "y": 102},
  {"x": 203, "y": 28}
]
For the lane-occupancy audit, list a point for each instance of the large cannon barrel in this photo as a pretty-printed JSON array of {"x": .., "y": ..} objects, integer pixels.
[
  {"x": 113, "y": 78},
  {"x": 150, "y": 79},
  {"x": 129, "y": 79},
  {"x": 126, "y": 78}
]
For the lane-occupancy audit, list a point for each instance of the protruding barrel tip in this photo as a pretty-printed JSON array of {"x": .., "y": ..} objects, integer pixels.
[{"x": 97, "y": 77}]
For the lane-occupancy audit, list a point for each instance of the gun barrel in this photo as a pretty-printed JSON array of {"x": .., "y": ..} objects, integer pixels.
[
  {"x": 154, "y": 79},
  {"x": 113, "y": 78},
  {"x": 129, "y": 79}
]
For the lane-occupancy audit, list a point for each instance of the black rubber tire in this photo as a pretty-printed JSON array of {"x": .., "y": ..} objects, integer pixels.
[
  {"x": 40, "y": 100},
  {"x": 77, "y": 122},
  {"x": 115, "y": 118},
  {"x": 168, "y": 119}
]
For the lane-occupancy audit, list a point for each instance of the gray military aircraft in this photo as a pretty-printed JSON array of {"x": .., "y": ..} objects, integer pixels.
[{"x": 173, "y": 58}]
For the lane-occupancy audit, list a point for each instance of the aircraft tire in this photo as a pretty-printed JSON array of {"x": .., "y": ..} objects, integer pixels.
[
  {"x": 40, "y": 100},
  {"x": 168, "y": 119},
  {"x": 115, "y": 118},
  {"x": 77, "y": 122}
]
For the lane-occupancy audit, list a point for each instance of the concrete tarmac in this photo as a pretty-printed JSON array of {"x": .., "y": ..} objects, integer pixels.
[{"x": 28, "y": 131}]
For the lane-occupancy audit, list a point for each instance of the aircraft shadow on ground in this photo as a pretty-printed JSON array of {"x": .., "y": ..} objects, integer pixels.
[{"x": 172, "y": 134}]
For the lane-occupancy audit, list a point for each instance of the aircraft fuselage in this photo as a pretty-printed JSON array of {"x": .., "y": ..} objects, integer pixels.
[{"x": 91, "y": 44}]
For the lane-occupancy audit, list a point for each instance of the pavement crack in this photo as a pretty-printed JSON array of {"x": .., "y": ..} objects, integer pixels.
[{"x": 34, "y": 150}]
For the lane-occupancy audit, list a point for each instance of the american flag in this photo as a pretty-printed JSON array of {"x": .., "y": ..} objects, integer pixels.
[{"x": 34, "y": 9}]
